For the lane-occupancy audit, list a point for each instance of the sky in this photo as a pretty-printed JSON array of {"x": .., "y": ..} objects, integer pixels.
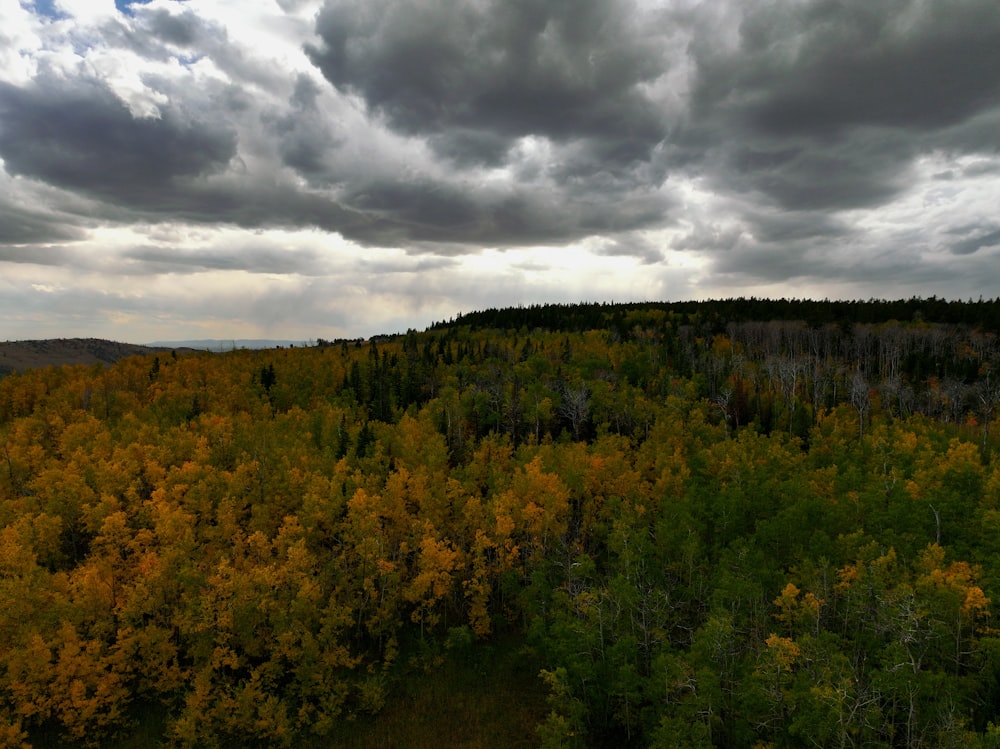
[{"x": 302, "y": 169}]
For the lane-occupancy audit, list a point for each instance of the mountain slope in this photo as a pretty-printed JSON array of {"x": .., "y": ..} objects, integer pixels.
[{"x": 17, "y": 356}]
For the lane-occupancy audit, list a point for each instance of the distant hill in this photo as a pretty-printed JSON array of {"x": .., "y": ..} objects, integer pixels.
[
  {"x": 17, "y": 356},
  {"x": 228, "y": 344}
]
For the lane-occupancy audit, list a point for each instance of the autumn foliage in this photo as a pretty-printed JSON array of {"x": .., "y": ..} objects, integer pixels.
[{"x": 708, "y": 535}]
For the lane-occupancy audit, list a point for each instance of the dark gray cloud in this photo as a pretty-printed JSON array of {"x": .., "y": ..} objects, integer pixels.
[
  {"x": 431, "y": 209},
  {"x": 474, "y": 81},
  {"x": 555, "y": 68},
  {"x": 35, "y": 255},
  {"x": 975, "y": 239},
  {"x": 807, "y": 107},
  {"x": 304, "y": 134},
  {"x": 436, "y": 213},
  {"x": 25, "y": 226},
  {"x": 82, "y": 138},
  {"x": 982, "y": 167},
  {"x": 781, "y": 228},
  {"x": 821, "y": 67},
  {"x": 634, "y": 246},
  {"x": 263, "y": 204},
  {"x": 180, "y": 29},
  {"x": 865, "y": 170},
  {"x": 154, "y": 260},
  {"x": 828, "y": 102},
  {"x": 469, "y": 147},
  {"x": 158, "y": 33}
]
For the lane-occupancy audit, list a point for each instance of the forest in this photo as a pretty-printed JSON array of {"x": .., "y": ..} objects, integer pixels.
[{"x": 739, "y": 523}]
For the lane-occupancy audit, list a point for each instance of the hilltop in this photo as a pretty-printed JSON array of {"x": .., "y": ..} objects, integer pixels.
[{"x": 17, "y": 356}]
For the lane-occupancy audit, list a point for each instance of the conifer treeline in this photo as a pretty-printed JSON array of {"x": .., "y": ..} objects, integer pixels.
[
  {"x": 750, "y": 532},
  {"x": 717, "y": 314}
]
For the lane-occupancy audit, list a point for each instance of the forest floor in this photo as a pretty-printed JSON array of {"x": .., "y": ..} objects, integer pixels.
[{"x": 489, "y": 697}]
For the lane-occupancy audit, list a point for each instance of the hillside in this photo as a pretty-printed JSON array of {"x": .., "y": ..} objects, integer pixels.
[
  {"x": 615, "y": 527},
  {"x": 18, "y": 356}
]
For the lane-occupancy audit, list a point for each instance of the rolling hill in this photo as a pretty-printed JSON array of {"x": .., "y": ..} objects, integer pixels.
[{"x": 17, "y": 356}]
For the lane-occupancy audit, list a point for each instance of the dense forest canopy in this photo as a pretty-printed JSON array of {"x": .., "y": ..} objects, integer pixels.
[{"x": 744, "y": 523}]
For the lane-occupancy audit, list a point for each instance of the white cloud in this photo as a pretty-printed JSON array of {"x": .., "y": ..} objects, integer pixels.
[
  {"x": 19, "y": 40},
  {"x": 87, "y": 12}
]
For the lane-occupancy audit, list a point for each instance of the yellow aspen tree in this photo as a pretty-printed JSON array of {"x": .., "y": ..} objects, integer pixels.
[
  {"x": 541, "y": 501},
  {"x": 12, "y": 733},
  {"x": 954, "y": 599},
  {"x": 437, "y": 564},
  {"x": 371, "y": 574},
  {"x": 28, "y": 670},
  {"x": 478, "y": 587},
  {"x": 417, "y": 444},
  {"x": 796, "y": 610},
  {"x": 89, "y": 689}
]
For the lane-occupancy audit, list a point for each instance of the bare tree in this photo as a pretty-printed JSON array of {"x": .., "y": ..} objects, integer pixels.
[
  {"x": 723, "y": 402},
  {"x": 575, "y": 407},
  {"x": 988, "y": 395},
  {"x": 954, "y": 395},
  {"x": 860, "y": 398}
]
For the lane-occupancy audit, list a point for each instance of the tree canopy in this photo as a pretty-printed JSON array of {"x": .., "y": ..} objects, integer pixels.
[{"x": 708, "y": 525}]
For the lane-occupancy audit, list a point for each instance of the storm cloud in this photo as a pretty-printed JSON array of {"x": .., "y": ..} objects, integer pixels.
[
  {"x": 557, "y": 95},
  {"x": 535, "y": 148},
  {"x": 82, "y": 138},
  {"x": 828, "y": 105},
  {"x": 560, "y": 70}
]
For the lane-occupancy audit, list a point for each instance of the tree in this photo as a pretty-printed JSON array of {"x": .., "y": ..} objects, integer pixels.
[
  {"x": 575, "y": 407},
  {"x": 437, "y": 566}
]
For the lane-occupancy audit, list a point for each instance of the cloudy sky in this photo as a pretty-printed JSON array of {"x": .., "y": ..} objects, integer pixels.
[{"x": 308, "y": 168}]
